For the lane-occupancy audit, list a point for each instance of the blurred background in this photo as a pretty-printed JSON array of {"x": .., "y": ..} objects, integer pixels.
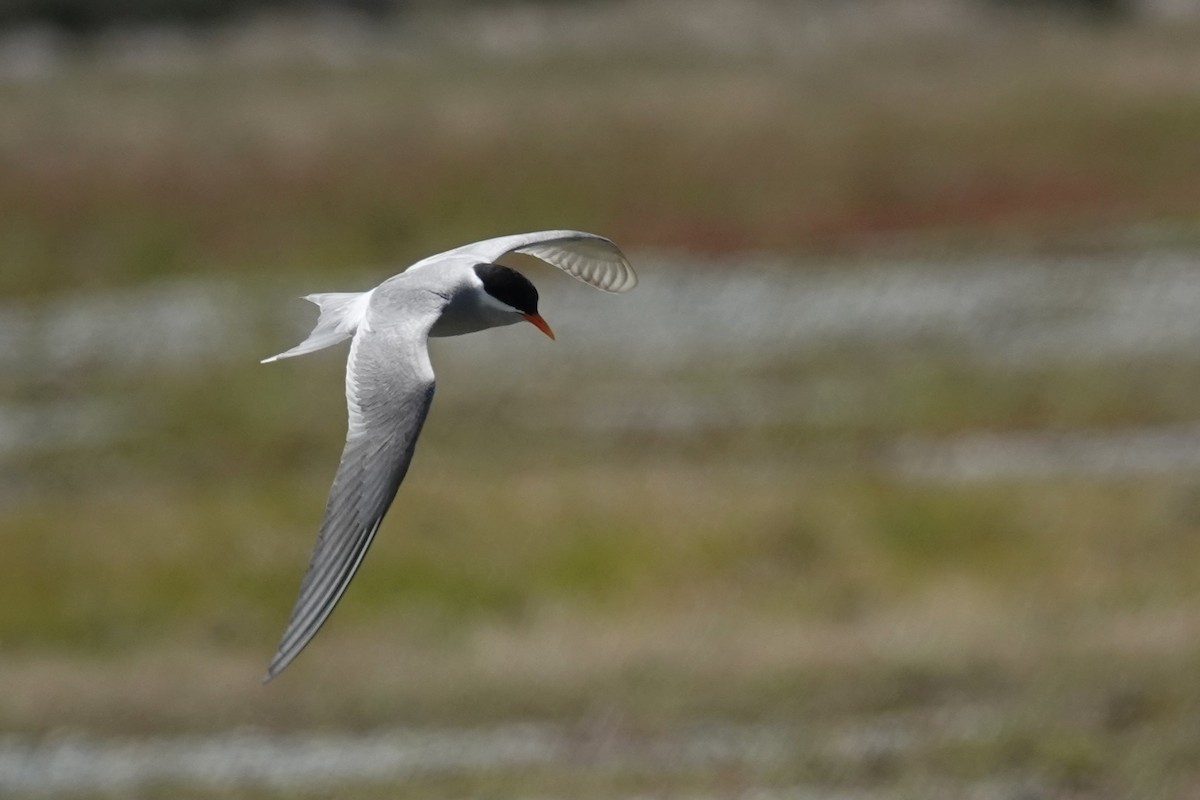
[{"x": 884, "y": 483}]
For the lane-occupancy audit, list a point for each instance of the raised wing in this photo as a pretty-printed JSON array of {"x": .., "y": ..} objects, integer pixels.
[
  {"x": 593, "y": 259},
  {"x": 389, "y": 387}
]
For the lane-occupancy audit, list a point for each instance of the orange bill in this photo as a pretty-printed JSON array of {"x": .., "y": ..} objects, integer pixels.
[{"x": 539, "y": 323}]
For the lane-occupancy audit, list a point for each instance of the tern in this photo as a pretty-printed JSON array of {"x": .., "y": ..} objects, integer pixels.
[{"x": 389, "y": 382}]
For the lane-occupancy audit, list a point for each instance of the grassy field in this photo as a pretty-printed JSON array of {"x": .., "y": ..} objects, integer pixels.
[
  {"x": 1027, "y": 136},
  {"x": 625, "y": 583}
]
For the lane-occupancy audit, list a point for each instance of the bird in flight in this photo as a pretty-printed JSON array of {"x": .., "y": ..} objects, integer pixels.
[{"x": 389, "y": 382}]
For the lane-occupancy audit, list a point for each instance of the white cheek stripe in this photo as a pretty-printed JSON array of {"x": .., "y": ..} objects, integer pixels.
[{"x": 492, "y": 302}]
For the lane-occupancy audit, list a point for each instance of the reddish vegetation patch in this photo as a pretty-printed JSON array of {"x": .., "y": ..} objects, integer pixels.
[
  {"x": 696, "y": 233},
  {"x": 1041, "y": 205}
]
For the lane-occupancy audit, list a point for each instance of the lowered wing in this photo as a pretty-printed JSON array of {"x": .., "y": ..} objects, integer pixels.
[{"x": 389, "y": 387}]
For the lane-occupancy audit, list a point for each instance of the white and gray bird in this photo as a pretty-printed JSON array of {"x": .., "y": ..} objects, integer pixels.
[{"x": 389, "y": 382}]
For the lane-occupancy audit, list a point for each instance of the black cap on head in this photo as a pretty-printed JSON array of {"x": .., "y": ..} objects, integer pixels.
[{"x": 509, "y": 287}]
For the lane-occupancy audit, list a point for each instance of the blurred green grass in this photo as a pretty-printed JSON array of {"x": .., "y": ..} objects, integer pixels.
[
  {"x": 205, "y": 515},
  {"x": 767, "y": 569},
  {"x": 1043, "y": 138},
  {"x": 760, "y": 570}
]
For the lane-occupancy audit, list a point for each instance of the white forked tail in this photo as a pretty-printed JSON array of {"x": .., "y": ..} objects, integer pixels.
[{"x": 341, "y": 314}]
